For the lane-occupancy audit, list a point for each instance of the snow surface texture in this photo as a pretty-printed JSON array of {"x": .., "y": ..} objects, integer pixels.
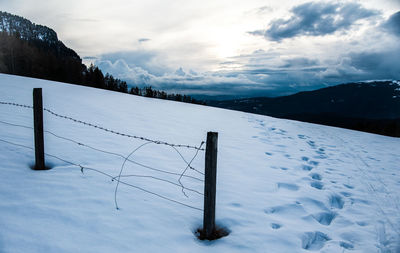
[{"x": 283, "y": 186}]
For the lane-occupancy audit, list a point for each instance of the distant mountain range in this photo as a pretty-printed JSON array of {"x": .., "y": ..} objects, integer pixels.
[{"x": 367, "y": 106}]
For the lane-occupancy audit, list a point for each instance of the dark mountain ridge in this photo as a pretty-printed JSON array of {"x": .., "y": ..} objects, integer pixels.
[
  {"x": 27, "y": 49},
  {"x": 366, "y": 106},
  {"x": 34, "y": 50},
  {"x": 24, "y": 29}
]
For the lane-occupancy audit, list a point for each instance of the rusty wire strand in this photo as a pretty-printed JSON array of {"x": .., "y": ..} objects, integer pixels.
[{"x": 82, "y": 168}]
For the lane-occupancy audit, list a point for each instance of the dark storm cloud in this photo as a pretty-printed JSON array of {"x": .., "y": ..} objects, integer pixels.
[
  {"x": 378, "y": 65},
  {"x": 316, "y": 19},
  {"x": 364, "y": 65},
  {"x": 393, "y": 24},
  {"x": 300, "y": 63}
]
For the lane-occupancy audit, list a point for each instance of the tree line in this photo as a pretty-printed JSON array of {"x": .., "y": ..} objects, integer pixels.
[{"x": 30, "y": 50}]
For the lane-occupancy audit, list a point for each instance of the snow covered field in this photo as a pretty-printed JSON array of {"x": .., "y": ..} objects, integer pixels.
[{"x": 282, "y": 186}]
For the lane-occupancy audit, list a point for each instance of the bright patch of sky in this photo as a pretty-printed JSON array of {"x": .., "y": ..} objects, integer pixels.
[{"x": 234, "y": 47}]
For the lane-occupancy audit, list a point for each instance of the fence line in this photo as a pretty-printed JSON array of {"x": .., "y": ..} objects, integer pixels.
[
  {"x": 113, "y": 153},
  {"x": 118, "y": 133},
  {"x": 121, "y": 156},
  {"x": 105, "y": 129},
  {"x": 209, "y": 229},
  {"x": 126, "y": 158},
  {"x": 106, "y": 174},
  {"x": 15, "y": 104}
]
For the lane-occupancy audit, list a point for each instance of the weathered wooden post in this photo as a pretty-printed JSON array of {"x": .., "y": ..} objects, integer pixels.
[
  {"x": 38, "y": 129},
  {"x": 210, "y": 185}
]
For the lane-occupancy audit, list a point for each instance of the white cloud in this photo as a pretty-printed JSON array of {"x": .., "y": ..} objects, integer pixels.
[{"x": 147, "y": 42}]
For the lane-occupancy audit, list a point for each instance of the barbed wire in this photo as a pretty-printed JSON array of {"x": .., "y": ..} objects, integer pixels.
[
  {"x": 121, "y": 156},
  {"x": 160, "y": 179},
  {"x": 120, "y": 172},
  {"x": 82, "y": 168},
  {"x": 105, "y": 129},
  {"x": 184, "y": 171},
  {"x": 121, "y": 134},
  {"x": 113, "y": 153},
  {"x": 15, "y": 104},
  {"x": 126, "y": 159}
]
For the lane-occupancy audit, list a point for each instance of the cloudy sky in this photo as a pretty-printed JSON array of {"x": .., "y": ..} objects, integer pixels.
[{"x": 231, "y": 47}]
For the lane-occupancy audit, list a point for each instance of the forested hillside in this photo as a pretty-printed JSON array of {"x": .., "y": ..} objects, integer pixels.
[{"x": 31, "y": 50}]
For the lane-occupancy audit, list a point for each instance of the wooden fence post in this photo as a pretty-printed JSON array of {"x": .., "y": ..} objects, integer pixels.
[
  {"x": 38, "y": 129},
  {"x": 210, "y": 185}
]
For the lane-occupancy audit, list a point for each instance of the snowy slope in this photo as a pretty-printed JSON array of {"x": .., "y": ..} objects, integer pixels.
[{"x": 283, "y": 186}]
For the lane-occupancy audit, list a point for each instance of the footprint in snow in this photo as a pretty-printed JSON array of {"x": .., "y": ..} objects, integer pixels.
[
  {"x": 346, "y": 194},
  {"x": 349, "y": 186},
  {"x": 314, "y": 240},
  {"x": 346, "y": 245},
  {"x": 317, "y": 185},
  {"x": 310, "y": 202},
  {"x": 311, "y": 144},
  {"x": 235, "y": 204},
  {"x": 313, "y": 163},
  {"x": 302, "y": 136},
  {"x": 316, "y": 176},
  {"x": 276, "y": 226},
  {"x": 307, "y": 167},
  {"x": 294, "y": 209},
  {"x": 335, "y": 201},
  {"x": 287, "y": 186},
  {"x": 325, "y": 218},
  {"x": 362, "y": 223},
  {"x": 305, "y": 158},
  {"x": 359, "y": 201}
]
